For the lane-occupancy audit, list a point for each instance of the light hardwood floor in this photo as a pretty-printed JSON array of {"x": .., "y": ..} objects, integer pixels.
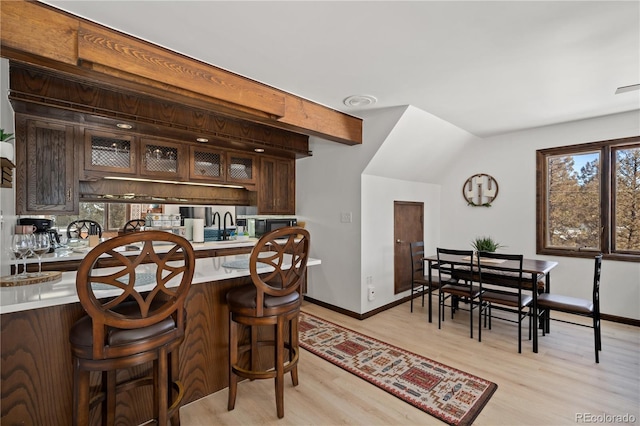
[{"x": 553, "y": 387}]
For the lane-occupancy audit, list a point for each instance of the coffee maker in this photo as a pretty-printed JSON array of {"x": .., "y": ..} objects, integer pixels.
[{"x": 43, "y": 226}]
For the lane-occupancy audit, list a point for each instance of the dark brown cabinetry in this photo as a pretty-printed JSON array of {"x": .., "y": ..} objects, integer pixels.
[
  {"x": 110, "y": 152},
  {"x": 161, "y": 159},
  {"x": 46, "y": 173},
  {"x": 240, "y": 168},
  {"x": 276, "y": 188},
  {"x": 60, "y": 162},
  {"x": 206, "y": 164}
]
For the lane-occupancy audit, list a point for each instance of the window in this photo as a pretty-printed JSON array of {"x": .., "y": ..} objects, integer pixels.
[{"x": 588, "y": 200}]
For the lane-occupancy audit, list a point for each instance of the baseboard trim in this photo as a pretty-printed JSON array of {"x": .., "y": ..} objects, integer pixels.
[
  {"x": 621, "y": 320},
  {"x": 357, "y": 315},
  {"x": 604, "y": 317}
]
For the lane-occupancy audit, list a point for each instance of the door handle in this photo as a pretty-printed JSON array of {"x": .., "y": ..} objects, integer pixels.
[{"x": 398, "y": 241}]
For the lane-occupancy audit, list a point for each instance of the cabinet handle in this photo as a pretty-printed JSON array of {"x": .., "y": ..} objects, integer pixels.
[{"x": 69, "y": 194}]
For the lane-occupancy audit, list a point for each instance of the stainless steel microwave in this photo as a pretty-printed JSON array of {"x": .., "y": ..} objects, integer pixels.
[{"x": 263, "y": 226}]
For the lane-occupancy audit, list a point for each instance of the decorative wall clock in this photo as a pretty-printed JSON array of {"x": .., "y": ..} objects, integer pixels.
[{"x": 480, "y": 190}]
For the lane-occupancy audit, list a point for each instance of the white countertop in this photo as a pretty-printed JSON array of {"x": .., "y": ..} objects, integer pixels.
[
  {"x": 34, "y": 296},
  {"x": 64, "y": 254}
]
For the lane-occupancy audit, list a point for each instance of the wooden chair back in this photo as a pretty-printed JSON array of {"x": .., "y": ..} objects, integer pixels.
[
  {"x": 278, "y": 263},
  {"x": 141, "y": 291}
]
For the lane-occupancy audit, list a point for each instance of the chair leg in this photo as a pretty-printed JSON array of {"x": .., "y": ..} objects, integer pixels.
[
  {"x": 109, "y": 403},
  {"x": 440, "y": 302},
  {"x": 596, "y": 337},
  {"x": 480, "y": 310},
  {"x": 280, "y": 367},
  {"x": 233, "y": 360},
  {"x": 253, "y": 336},
  {"x": 519, "y": 329},
  {"x": 490, "y": 314},
  {"x": 161, "y": 392},
  {"x": 172, "y": 378},
  {"x": 80, "y": 395},
  {"x": 412, "y": 296},
  {"x": 471, "y": 318},
  {"x": 293, "y": 343}
]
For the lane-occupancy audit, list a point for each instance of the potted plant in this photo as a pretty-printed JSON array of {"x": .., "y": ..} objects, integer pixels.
[
  {"x": 485, "y": 244},
  {"x": 5, "y": 137}
]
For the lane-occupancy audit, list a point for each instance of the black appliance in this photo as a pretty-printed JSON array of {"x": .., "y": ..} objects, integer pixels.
[
  {"x": 263, "y": 226},
  {"x": 43, "y": 226},
  {"x": 186, "y": 213}
]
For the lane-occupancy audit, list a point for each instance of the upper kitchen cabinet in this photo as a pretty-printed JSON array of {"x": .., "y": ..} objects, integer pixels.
[
  {"x": 163, "y": 159},
  {"x": 240, "y": 168},
  {"x": 46, "y": 177},
  {"x": 277, "y": 190},
  {"x": 109, "y": 152},
  {"x": 206, "y": 164}
]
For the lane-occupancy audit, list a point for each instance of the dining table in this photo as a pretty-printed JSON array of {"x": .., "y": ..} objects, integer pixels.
[{"x": 537, "y": 273}]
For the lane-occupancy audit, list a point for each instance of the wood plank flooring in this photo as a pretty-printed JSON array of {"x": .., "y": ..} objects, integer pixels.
[{"x": 553, "y": 387}]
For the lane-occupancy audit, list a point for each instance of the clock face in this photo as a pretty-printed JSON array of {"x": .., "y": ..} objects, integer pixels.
[{"x": 480, "y": 190}]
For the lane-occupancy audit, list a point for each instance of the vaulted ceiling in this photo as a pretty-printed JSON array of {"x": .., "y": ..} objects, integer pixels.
[{"x": 486, "y": 67}]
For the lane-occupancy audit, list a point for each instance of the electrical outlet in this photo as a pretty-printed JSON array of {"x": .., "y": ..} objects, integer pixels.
[
  {"x": 371, "y": 293},
  {"x": 346, "y": 217}
]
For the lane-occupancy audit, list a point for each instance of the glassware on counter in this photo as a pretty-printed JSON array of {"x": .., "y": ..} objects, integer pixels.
[
  {"x": 41, "y": 243},
  {"x": 21, "y": 244}
]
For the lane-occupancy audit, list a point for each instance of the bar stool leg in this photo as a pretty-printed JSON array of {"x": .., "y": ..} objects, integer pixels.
[
  {"x": 233, "y": 360},
  {"x": 293, "y": 341},
  {"x": 280, "y": 366},
  {"x": 80, "y": 395},
  {"x": 109, "y": 403}
]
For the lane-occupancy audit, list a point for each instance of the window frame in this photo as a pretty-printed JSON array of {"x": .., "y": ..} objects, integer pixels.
[{"x": 607, "y": 149}]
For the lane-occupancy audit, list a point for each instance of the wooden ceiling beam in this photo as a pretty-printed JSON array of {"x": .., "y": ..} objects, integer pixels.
[{"x": 42, "y": 35}]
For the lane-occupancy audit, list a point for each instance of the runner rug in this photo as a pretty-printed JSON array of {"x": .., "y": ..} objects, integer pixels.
[{"x": 446, "y": 393}]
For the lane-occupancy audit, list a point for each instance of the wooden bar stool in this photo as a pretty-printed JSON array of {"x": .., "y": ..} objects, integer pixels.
[
  {"x": 273, "y": 299},
  {"x": 135, "y": 315}
]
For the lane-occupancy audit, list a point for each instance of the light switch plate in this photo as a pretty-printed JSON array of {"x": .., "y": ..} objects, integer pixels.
[{"x": 346, "y": 217}]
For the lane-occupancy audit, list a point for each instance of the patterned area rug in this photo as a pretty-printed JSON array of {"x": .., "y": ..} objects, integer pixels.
[{"x": 450, "y": 395}]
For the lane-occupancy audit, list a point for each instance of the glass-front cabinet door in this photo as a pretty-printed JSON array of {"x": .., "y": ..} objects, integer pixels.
[
  {"x": 240, "y": 168},
  {"x": 206, "y": 164},
  {"x": 163, "y": 159},
  {"x": 110, "y": 152}
]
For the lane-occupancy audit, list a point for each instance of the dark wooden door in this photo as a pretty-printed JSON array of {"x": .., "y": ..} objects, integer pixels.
[
  {"x": 408, "y": 223},
  {"x": 46, "y": 169}
]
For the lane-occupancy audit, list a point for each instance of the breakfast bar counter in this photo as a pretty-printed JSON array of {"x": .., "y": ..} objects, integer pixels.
[{"x": 37, "y": 373}]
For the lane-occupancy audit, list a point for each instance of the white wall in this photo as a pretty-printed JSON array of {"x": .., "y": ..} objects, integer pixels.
[
  {"x": 7, "y": 195},
  {"x": 511, "y": 220},
  {"x": 336, "y": 177},
  {"x": 328, "y": 184},
  {"x": 401, "y": 147},
  {"x": 378, "y": 197}
]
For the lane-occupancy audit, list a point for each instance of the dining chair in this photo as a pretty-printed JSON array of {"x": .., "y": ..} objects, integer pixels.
[
  {"x": 135, "y": 315},
  {"x": 277, "y": 264},
  {"x": 453, "y": 266},
  {"x": 506, "y": 292},
  {"x": 572, "y": 305},
  {"x": 133, "y": 225},
  {"x": 420, "y": 280},
  {"x": 86, "y": 227}
]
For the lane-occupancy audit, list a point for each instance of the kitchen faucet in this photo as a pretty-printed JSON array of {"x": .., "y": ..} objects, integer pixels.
[
  {"x": 225, "y": 235},
  {"x": 213, "y": 222}
]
